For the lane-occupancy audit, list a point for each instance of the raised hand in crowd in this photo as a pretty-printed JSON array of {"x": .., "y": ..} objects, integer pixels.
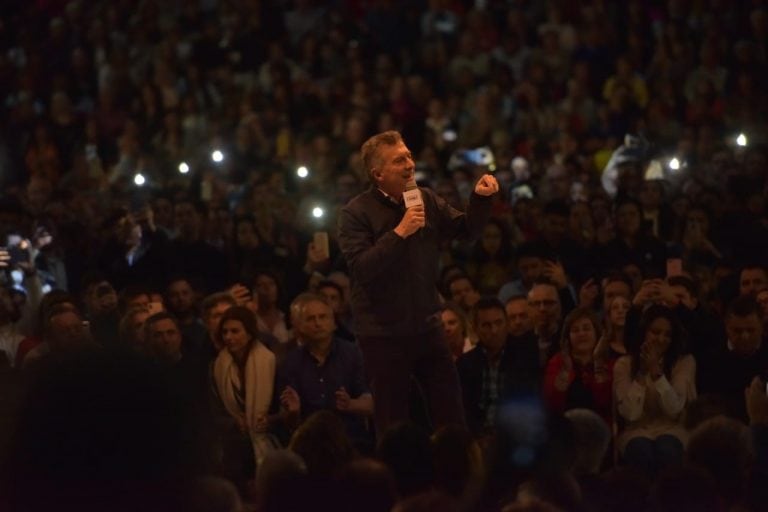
[{"x": 554, "y": 271}]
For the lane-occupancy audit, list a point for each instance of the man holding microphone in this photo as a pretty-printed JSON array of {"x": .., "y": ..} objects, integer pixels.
[{"x": 390, "y": 236}]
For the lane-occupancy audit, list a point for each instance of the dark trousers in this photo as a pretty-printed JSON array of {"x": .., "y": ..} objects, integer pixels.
[
  {"x": 390, "y": 361},
  {"x": 653, "y": 455}
]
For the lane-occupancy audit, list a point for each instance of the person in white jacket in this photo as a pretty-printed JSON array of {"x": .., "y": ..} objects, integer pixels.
[{"x": 652, "y": 386}]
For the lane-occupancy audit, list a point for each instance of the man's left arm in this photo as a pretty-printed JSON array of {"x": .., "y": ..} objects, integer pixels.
[{"x": 471, "y": 223}]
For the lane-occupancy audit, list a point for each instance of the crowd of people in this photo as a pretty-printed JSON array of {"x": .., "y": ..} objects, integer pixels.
[{"x": 212, "y": 298}]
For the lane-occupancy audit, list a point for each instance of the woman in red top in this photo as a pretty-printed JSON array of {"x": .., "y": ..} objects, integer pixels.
[{"x": 575, "y": 377}]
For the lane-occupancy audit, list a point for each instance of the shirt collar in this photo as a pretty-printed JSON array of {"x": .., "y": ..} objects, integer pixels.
[
  {"x": 390, "y": 198},
  {"x": 331, "y": 352}
]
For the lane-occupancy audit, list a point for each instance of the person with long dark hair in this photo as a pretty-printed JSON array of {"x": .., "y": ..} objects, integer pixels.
[{"x": 652, "y": 385}]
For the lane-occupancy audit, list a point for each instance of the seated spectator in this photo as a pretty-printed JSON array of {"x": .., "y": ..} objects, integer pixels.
[
  {"x": 632, "y": 243},
  {"x": 366, "y": 484},
  {"x": 652, "y": 386},
  {"x": 547, "y": 308},
  {"x": 181, "y": 302},
  {"x": 48, "y": 303},
  {"x": 243, "y": 382},
  {"x": 100, "y": 299},
  {"x": 322, "y": 444},
  {"x": 270, "y": 318},
  {"x": 723, "y": 448},
  {"x": 406, "y": 450},
  {"x": 556, "y": 244},
  {"x": 592, "y": 439},
  {"x": 279, "y": 482},
  {"x": 164, "y": 343},
  {"x": 334, "y": 294},
  {"x": 132, "y": 332},
  {"x": 520, "y": 318},
  {"x": 63, "y": 334},
  {"x": 495, "y": 370},
  {"x": 490, "y": 261},
  {"x": 133, "y": 296},
  {"x": 10, "y": 337},
  {"x": 705, "y": 329},
  {"x": 213, "y": 308},
  {"x": 613, "y": 338},
  {"x": 463, "y": 292},
  {"x": 459, "y": 465},
  {"x": 729, "y": 368},
  {"x": 577, "y": 376},
  {"x": 529, "y": 263},
  {"x": 615, "y": 284},
  {"x": 189, "y": 253},
  {"x": 752, "y": 279},
  {"x": 325, "y": 373},
  {"x": 456, "y": 329}
]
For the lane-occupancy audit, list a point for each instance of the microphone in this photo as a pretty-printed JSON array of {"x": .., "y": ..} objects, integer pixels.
[
  {"x": 412, "y": 197},
  {"x": 412, "y": 194}
]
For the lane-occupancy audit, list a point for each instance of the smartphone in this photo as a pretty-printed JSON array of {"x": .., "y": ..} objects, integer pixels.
[
  {"x": 321, "y": 243},
  {"x": 18, "y": 249}
]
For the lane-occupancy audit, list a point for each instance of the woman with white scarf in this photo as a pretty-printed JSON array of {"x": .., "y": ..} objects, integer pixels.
[{"x": 244, "y": 376}]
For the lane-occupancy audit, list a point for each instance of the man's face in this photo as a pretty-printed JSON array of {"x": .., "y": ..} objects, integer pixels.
[
  {"x": 491, "y": 326},
  {"x": 684, "y": 296},
  {"x": 180, "y": 297},
  {"x": 66, "y": 331},
  {"x": 137, "y": 326},
  {"x": 745, "y": 333},
  {"x": 101, "y": 298},
  {"x": 555, "y": 226},
  {"x": 650, "y": 195},
  {"x": 186, "y": 220},
  {"x": 394, "y": 167},
  {"x": 463, "y": 293},
  {"x": 545, "y": 304},
  {"x": 266, "y": 289},
  {"x": 519, "y": 317},
  {"x": 530, "y": 269},
  {"x": 333, "y": 297},
  {"x": 317, "y": 323},
  {"x": 752, "y": 280},
  {"x": 628, "y": 219},
  {"x": 165, "y": 339},
  {"x": 213, "y": 318}
]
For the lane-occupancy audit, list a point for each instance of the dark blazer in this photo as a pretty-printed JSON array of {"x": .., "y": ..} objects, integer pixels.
[
  {"x": 521, "y": 377},
  {"x": 394, "y": 280}
]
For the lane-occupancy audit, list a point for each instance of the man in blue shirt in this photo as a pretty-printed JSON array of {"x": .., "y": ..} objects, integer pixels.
[{"x": 324, "y": 372}]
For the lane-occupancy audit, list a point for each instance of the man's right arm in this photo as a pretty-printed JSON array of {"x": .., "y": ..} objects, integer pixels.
[{"x": 366, "y": 257}]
